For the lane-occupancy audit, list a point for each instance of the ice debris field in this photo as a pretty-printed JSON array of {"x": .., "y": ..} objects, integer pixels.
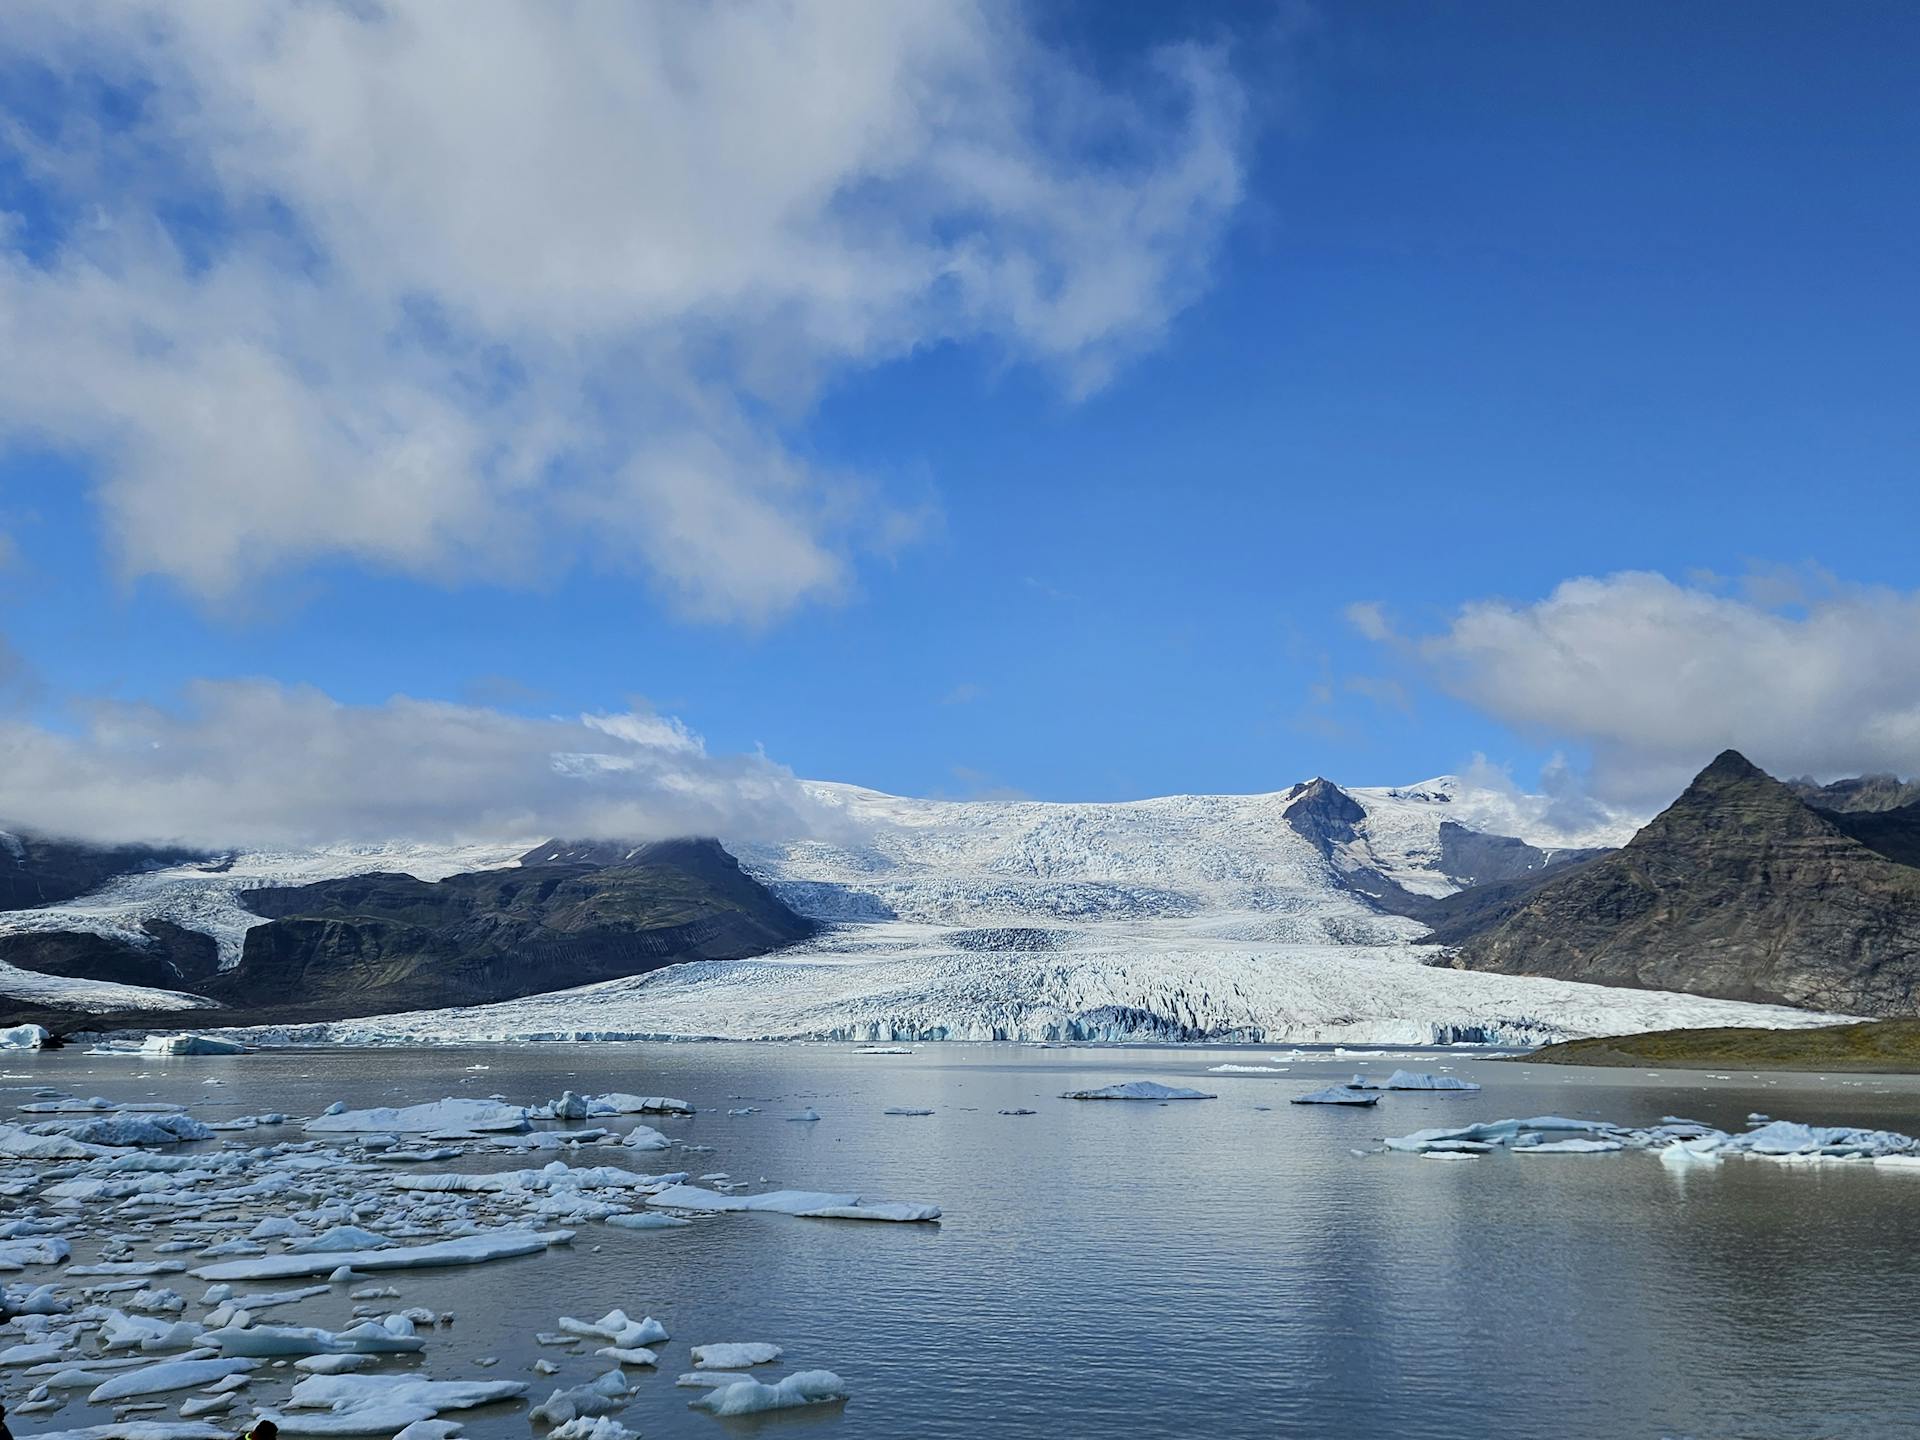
[{"x": 159, "y": 1264}]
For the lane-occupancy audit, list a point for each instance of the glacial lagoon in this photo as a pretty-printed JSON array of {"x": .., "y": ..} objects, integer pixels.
[{"x": 1228, "y": 1267}]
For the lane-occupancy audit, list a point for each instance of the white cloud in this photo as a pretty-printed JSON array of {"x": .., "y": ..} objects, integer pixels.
[
  {"x": 466, "y": 289},
  {"x": 1657, "y": 677},
  {"x": 254, "y": 763}
]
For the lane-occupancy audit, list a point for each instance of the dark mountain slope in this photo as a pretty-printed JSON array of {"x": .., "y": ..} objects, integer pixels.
[
  {"x": 1740, "y": 889},
  {"x": 1862, "y": 795},
  {"x": 375, "y": 943},
  {"x": 38, "y": 871}
]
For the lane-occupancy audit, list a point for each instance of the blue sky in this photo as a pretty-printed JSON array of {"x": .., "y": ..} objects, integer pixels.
[{"x": 1499, "y": 297}]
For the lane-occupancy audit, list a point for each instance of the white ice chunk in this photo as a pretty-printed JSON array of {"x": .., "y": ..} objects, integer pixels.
[
  {"x": 783, "y": 1202},
  {"x": 1138, "y": 1090},
  {"x": 452, "y": 1114},
  {"x": 750, "y": 1397},
  {"x": 1337, "y": 1095},
  {"x": 737, "y": 1355},
  {"x": 463, "y": 1250},
  {"x": 190, "y": 1045},
  {"x": 896, "y": 1211},
  {"x": 167, "y": 1375},
  {"x": 1411, "y": 1080}
]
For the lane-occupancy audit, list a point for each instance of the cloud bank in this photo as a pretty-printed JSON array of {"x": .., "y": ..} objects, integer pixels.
[
  {"x": 254, "y": 764},
  {"x": 1656, "y": 677},
  {"x": 474, "y": 290}
]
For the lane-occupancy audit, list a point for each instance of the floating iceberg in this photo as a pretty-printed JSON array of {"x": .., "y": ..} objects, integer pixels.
[
  {"x": 735, "y": 1356},
  {"x": 434, "y": 1115},
  {"x": 750, "y": 1397},
  {"x": 463, "y": 1250},
  {"x": 190, "y": 1045},
  {"x": 24, "y": 1037},
  {"x": 1138, "y": 1090},
  {"x": 897, "y": 1212},
  {"x": 283, "y": 1341},
  {"x": 1410, "y": 1080},
  {"x": 784, "y": 1202},
  {"x": 1338, "y": 1095},
  {"x": 167, "y": 1375},
  {"x": 615, "y": 1328},
  {"x": 609, "y": 1392}
]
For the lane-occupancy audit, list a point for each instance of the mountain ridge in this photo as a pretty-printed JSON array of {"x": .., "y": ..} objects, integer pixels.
[{"x": 1740, "y": 889}]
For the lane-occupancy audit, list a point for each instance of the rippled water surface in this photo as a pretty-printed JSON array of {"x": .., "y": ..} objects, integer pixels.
[{"x": 1209, "y": 1268}]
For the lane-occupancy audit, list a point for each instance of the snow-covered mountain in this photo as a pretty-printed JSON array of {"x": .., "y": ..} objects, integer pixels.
[{"x": 1278, "y": 916}]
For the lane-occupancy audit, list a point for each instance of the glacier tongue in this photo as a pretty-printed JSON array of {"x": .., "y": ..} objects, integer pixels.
[{"x": 1185, "y": 918}]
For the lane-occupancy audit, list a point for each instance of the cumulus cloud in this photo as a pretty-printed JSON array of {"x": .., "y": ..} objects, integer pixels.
[
  {"x": 257, "y": 764},
  {"x": 469, "y": 290},
  {"x": 1656, "y": 677}
]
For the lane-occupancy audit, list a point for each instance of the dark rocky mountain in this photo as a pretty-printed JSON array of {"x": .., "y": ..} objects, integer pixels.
[
  {"x": 35, "y": 870},
  {"x": 1865, "y": 793},
  {"x": 1740, "y": 889},
  {"x": 375, "y": 943},
  {"x": 172, "y": 959}
]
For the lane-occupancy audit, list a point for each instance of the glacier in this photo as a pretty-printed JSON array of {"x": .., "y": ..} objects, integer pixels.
[
  {"x": 1182, "y": 918},
  {"x": 1189, "y": 917}
]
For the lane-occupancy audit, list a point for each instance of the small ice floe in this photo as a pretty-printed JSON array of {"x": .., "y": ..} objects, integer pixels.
[
  {"x": 393, "y": 1337},
  {"x": 341, "y": 1364},
  {"x": 1019, "y": 1110},
  {"x": 190, "y": 1045},
  {"x": 1575, "y": 1146},
  {"x": 1705, "y": 1151},
  {"x": 783, "y": 1202},
  {"x": 645, "y": 1220},
  {"x": 750, "y": 1397},
  {"x": 896, "y": 1212},
  {"x": 736, "y": 1355},
  {"x": 645, "y": 1137},
  {"x": 167, "y": 1375},
  {"x": 18, "y": 1254},
  {"x": 24, "y": 1037},
  {"x": 609, "y": 1392},
  {"x": 1338, "y": 1095},
  {"x": 337, "y": 1240},
  {"x": 584, "y": 1427},
  {"x": 882, "y": 1050},
  {"x": 743, "y": 1110},
  {"x": 904, "y": 1110},
  {"x": 806, "y": 1116},
  {"x": 461, "y": 1250},
  {"x": 1139, "y": 1090},
  {"x": 624, "y": 1355},
  {"x": 1410, "y": 1080},
  {"x": 475, "y": 1116},
  {"x": 615, "y": 1328},
  {"x": 1248, "y": 1069},
  {"x": 381, "y": 1404}
]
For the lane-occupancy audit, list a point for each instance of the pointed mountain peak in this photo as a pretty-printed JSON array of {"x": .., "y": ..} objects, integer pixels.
[
  {"x": 1730, "y": 766},
  {"x": 1323, "y": 812}
]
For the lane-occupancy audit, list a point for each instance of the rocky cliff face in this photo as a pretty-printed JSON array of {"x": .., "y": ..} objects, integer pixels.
[
  {"x": 1740, "y": 889},
  {"x": 389, "y": 942}
]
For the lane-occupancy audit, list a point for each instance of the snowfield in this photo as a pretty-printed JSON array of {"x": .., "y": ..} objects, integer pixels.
[{"x": 1182, "y": 918}]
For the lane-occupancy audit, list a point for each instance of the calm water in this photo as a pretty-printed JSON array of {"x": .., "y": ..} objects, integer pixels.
[{"x": 1192, "y": 1269}]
